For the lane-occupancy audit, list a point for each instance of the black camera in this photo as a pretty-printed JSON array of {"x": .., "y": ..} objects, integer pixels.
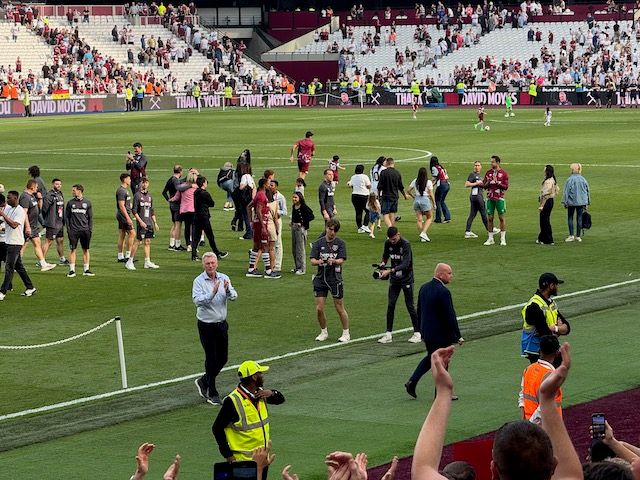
[{"x": 378, "y": 270}]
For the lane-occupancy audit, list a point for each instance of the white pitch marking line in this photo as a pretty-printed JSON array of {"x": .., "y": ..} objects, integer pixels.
[{"x": 170, "y": 381}]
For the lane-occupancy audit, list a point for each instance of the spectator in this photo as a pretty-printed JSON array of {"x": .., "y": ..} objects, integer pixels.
[
  {"x": 575, "y": 199},
  {"x": 301, "y": 217},
  {"x": 360, "y": 188}
]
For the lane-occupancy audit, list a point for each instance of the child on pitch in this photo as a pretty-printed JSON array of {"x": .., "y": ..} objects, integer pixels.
[
  {"x": 335, "y": 167},
  {"x": 480, "y": 124},
  {"x": 547, "y": 117},
  {"x": 300, "y": 184},
  {"x": 373, "y": 206},
  {"x": 508, "y": 101}
]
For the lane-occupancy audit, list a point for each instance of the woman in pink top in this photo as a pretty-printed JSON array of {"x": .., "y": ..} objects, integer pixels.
[{"x": 185, "y": 196}]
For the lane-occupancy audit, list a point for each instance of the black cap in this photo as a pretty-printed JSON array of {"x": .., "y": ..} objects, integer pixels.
[
  {"x": 308, "y": 134},
  {"x": 547, "y": 279},
  {"x": 336, "y": 158}
]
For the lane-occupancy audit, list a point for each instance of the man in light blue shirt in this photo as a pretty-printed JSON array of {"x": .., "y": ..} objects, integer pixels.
[{"x": 211, "y": 290}]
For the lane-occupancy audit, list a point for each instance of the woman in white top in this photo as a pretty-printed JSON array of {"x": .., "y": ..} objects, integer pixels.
[
  {"x": 421, "y": 189},
  {"x": 548, "y": 192},
  {"x": 360, "y": 188}
]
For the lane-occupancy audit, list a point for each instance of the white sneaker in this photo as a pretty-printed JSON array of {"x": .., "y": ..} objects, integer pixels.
[
  {"x": 570, "y": 238},
  {"x": 578, "y": 239},
  {"x": 415, "y": 338},
  {"x": 503, "y": 242},
  {"x": 496, "y": 230},
  {"x": 366, "y": 229},
  {"x": 424, "y": 237},
  {"x": 344, "y": 338},
  {"x": 129, "y": 265},
  {"x": 322, "y": 337},
  {"x": 188, "y": 248},
  {"x": 361, "y": 230},
  {"x": 506, "y": 115},
  {"x": 47, "y": 266},
  {"x": 2, "y": 295},
  {"x": 470, "y": 235},
  {"x": 371, "y": 235},
  {"x": 28, "y": 292},
  {"x": 490, "y": 241},
  {"x": 299, "y": 272},
  {"x": 150, "y": 265},
  {"x": 386, "y": 338}
]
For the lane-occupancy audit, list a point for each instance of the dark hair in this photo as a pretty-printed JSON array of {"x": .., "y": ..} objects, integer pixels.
[
  {"x": 262, "y": 182},
  {"x": 267, "y": 173},
  {"x": 326, "y": 170},
  {"x": 549, "y": 173},
  {"x": 433, "y": 162},
  {"x": 606, "y": 471},
  {"x": 523, "y": 451},
  {"x": 77, "y": 186},
  {"x": 301, "y": 198},
  {"x": 2, "y": 199},
  {"x": 390, "y": 161},
  {"x": 13, "y": 193},
  {"x": 459, "y": 471},
  {"x": 392, "y": 231},
  {"x": 200, "y": 181},
  {"x": 56, "y": 180},
  {"x": 359, "y": 169},
  {"x": 549, "y": 344},
  {"x": 336, "y": 158},
  {"x": 31, "y": 182},
  {"x": 496, "y": 158},
  {"x": 34, "y": 171},
  {"x": 301, "y": 181},
  {"x": 599, "y": 451},
  {"x": 275, "y": 182},
  {"x": 243, "y": 169},
  {"x": 137, "y": 144},
  {"x": 123, "y": 176},
  {"x": 421, "y": 180},
  {"x": 380, "y": 160},
  {"x": 177, "y": 169},
  {"x": 333, "y": 223}
]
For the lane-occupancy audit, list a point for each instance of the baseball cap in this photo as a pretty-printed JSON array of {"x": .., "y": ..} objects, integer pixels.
[
  {"x": 547, "y": 279},
  {"x": 249, "y": 368},
  {"x": 308, "y": 134}
]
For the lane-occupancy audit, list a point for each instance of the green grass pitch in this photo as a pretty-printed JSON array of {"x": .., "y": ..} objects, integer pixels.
[{"x": 348, "y": 397}]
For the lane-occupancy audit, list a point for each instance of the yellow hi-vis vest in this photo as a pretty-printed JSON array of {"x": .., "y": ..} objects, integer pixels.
[
  {"x": 530, "y": 340},
  {"x": 532, "y": 90},
  {"x": 415, "y": 88},
  {"x": 312, "y": 89},
  {"x": 252, "y": 428},
  {"x": 129, "y": 93},
  {"x": 228, "y": 92},
  {"x": 196, "y": 91}
]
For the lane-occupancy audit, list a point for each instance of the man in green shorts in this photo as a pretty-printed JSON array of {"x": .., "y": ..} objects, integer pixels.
[{"x": 496, "y": 181}]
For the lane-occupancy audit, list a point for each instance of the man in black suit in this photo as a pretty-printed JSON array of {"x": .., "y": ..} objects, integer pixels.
[{"x": 438, "y": 323}]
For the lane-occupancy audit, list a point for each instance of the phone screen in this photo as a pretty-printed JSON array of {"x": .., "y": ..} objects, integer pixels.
[{"x": 597, "y": 425}]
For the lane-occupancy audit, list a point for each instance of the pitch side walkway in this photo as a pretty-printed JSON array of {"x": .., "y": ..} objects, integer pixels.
[{"x": 621, "y": 410}]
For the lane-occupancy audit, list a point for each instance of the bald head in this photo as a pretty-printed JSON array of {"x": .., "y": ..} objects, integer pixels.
[{"x": 443, "y": 272}]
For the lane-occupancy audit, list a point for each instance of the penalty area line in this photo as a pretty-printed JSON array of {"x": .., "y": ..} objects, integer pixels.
[{"x": 170, "y": 381}]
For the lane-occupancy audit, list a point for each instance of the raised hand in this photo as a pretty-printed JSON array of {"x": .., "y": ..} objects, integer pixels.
[
  {"x": 172, "y": 471},
  {"x": 142, "y": 458},
  {"x": 439, "y": 364},
  {"x": 288, "y": 476},
  {"x": 391, "y": 473}
]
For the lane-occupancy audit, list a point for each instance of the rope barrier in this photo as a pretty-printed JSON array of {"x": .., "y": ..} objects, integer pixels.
[{"x": 57, "y": 342}]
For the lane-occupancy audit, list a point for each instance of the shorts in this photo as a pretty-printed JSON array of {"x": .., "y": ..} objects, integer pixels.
[
  {"x": 422, "y": 204},
  {"x": 388, "y": 205},
  {"x": 258, "y": 235},
  {"x": 322, "y": 288},
  {"x": 83, "y": 236},
  {"x": 175, "y": 213},
  {"x": 373, "y": 217},
  {"x": 496, "y": 205},
  {"x": 272, "y": 231},
  {"x": 54, "y": 232},
  {"x": 35, "y": 233},
  {"x": 142, "y": 233},
  {"x": 122, "y": 223},
  {"x": 303, "y": 167}
]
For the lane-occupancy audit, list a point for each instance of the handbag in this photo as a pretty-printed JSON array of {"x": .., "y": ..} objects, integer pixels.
[{"x": 586, "y": 220}]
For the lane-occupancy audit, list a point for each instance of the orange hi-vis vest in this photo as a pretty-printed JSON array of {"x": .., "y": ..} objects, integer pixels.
[{"x": 532, "y": 377}]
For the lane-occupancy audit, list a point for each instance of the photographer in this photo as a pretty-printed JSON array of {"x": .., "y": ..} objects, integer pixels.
[{"x": 400, "y": 275}]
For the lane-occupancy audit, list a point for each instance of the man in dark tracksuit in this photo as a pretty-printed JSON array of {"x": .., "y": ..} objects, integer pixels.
[
  {"x": 438, "y": 322},
  {"x": 79, "y": 221},
  {"x": 398, "y": 250},
  {"x": 476, "y": 200}
]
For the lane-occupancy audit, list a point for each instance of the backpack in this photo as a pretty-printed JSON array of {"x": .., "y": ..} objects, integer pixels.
[{"x": 586, "y": 220}]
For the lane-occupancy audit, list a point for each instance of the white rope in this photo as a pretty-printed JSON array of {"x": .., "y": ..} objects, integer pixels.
[{"x": 58, "y": 342}]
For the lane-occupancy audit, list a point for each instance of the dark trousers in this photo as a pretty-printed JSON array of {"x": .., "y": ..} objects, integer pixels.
[
  {"x": 240, "y": 216},
  {"x": 546, "y": 234},
  {"x": 214, "y": 338},
  {"x": 441, "y": 207},
  {"x": 476, "y": 206},
  {"x": 394, "y": 293},
  {"x": 14, "y": 264},
  {"x": 578, "y": 211},
  {"x": 187, "y": 218},
  {"x": 425, "y": 364},
  {"x": 202, "y": 225},
  {"x": 360, "y": 204}
]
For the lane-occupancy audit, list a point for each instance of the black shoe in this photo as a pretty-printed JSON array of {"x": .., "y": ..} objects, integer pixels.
[
  {"x": 171, "y": 248},
  {"x": 222, "y": 254},
  {"x": 233, "y": 227},
  {"x": 201, "y": 388},
  {"x": 398, "y": 218},
  {"x": 410, "y": 387},
  {"x": 454, "y": 398},
  {"x": 247, "y": 237},
  {"x": 122, "y": 260},
  {"x": 214, "y": 400},
  {"x": 201, "y": 244},
  {"x": 195, "y": 259},
  {"x": 180, "y": 249}
]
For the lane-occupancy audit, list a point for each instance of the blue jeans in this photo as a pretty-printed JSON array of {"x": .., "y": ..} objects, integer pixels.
[
  {"x": 578, "y": 210},
  {"x": 441, "y": 207},
  {"x": 227, "y": 186}
]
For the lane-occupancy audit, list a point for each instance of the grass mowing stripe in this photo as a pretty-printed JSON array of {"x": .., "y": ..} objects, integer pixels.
[{"x": 78, "y": 401}]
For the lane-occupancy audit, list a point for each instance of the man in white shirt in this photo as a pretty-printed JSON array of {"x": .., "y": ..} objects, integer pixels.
[{"x": 14, "y": 217}]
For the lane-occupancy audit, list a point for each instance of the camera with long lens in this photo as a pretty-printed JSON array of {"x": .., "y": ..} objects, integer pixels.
[{"x": 378, "y": 270}]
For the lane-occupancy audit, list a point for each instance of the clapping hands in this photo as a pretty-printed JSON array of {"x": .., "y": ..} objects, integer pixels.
[{"x": 343, "y": 466}]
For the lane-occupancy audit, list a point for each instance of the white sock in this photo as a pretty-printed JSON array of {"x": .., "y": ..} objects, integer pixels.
[
  {"x": 72, "y": 267},
  {"x": 62, "y": 259},
  {"x": 324, "y": 330},
  {"x": 346, "y": 332},
  {"x": 491, "y": 235},
  {"x": 177, "y": 242},
  {"x": 503, "y": 235},
  {"x": 128, "y": 254},
  {"x": 147, "y": 260},
  {"x": 86, "y": 266},
  {"x": 172, "y": 242},
  {"x": 120, "y": 256}
]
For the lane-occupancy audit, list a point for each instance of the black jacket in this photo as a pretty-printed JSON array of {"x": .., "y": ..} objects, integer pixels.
[
  {"x": 202, "y": 201},
  {"x": 401, "y": 261},
  {"x": 303, "y": 215},
  {"x": 438, "y": 322}
]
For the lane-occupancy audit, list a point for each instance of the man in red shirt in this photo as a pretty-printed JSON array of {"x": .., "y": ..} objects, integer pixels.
[
  {"x": 496, "y": 181},
  {"x": 259, "y": 207},
  {"x": 305, "y": 149}
]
